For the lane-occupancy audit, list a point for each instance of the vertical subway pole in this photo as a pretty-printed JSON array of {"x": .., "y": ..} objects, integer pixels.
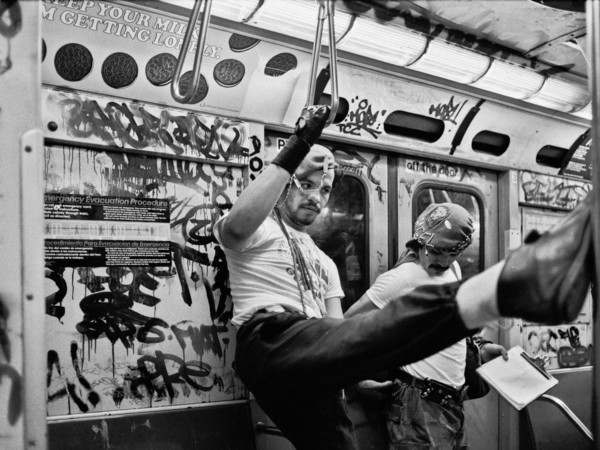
[
  {"x": 22, "y": 305},
  {"x": 593, "y": 32}
]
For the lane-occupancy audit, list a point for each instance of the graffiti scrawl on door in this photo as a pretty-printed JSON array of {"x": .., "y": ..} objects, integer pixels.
[{"x": 131, "y": 336}]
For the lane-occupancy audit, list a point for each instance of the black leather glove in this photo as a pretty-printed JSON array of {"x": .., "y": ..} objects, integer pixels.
[{"x": 309, "y": 127}]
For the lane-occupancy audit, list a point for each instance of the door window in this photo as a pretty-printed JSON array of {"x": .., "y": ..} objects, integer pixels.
[{"x": 341, "y": 232}]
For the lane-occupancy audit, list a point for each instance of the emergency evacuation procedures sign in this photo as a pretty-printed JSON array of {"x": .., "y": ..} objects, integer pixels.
[{"x": 97, "y": 231}]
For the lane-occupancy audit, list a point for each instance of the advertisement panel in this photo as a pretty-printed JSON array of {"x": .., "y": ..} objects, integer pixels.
[{"x": 126, "y": 50}]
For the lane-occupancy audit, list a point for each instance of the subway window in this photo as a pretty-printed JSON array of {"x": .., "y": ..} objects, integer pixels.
[
  {"x": 471, "y": 259},
  {"x": 341, "y": 232}
]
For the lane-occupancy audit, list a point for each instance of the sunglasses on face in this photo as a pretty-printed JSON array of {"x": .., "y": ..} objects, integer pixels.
[
  {"x": 430, "y": 251},
  {"x": 306, "y": 186}
]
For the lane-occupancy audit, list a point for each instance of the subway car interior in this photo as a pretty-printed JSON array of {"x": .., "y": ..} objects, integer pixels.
[{"x": 126, "y": 123}]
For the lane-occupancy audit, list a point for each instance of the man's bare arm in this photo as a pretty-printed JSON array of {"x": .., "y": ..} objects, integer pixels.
[
  {"x": 361, "y": 306},
  {"x": 256, "y": 202},
  {"x": 253, "y": 206}
]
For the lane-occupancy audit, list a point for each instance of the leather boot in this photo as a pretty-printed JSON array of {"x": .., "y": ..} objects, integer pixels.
[{"x": 547, "y": 280}]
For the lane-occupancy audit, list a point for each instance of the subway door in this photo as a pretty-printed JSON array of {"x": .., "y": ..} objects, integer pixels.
[
  {"x": 353, "y": 231},
  {"x": 421, "y": 182}
]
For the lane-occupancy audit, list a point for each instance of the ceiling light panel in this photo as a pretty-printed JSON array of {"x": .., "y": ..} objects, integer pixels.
[
  {"x": 387, "y": 43},
  {"x": 585, "y": 112},
  {"x": 297, "y": 19},
  {"x": 235, "y": 10},
  {"x": 509, "y": 79},
  {"x": 561, "y": 95},
  {"x": 452, "y": 62}
]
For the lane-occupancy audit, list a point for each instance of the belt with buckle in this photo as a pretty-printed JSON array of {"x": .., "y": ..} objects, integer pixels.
[{"x": 433, "y": 390}]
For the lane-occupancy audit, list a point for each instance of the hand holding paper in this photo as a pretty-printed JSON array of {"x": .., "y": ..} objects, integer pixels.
[{"x": 518, "y": 380}]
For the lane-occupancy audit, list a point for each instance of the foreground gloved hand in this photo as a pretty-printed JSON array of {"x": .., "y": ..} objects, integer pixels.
[
  {"x": 547, "y": 279},
  {"x": 309, "y": 127}
]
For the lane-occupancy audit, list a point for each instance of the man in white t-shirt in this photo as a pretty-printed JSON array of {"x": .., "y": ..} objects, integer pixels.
[
  {"x": 416, "y": 418},
  {"x": 294, "y": 351}
]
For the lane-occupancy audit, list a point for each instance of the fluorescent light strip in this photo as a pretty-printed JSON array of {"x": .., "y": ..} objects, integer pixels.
[
  {"x": 402, "y": 47},
  {"x": 389, "y": 44},
  {"x": 452, "y": 62},
  {"x": 511, "y": 80},
  {"x": 561, "y": 95},
  {"x": 297, "y": 19},
  {"x": 235, "y": 10},
  {"x": 585, "y": 112}
]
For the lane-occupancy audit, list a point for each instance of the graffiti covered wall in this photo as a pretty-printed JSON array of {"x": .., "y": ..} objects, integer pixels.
[
  {"x": 137, "y": 299},
  {"x": 569, "y": 345},
  {"x": 110, "y": 122},
  {"x": 552, "y": 192},
  {"x": 125, "y": 336}
]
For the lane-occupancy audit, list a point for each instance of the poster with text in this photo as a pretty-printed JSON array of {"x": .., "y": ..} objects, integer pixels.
[
  {"x": 96, "y": 231},
  {"x": 136, "y": 334}
]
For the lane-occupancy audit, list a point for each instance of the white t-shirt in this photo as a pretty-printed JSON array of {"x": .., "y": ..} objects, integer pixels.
[
  {"x": 261, "y": 273},
  {"x": 446, "y": 366}
]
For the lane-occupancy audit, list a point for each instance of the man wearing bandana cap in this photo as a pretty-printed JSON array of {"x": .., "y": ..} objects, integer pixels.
[
  {"x": 295, "y": 353},
  {"x": 442, "y": 232}
]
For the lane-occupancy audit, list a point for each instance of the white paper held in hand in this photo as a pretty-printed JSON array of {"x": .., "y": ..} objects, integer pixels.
[{"x": 518, "y": 380}]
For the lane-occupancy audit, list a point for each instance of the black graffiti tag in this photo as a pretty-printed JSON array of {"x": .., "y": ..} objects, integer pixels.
[
  {"x": 14, "y": 404},
  {"x": 362, "y": 119},
  {"x": 68, "y": 388},
  {"x": 124, "y": 124},
  {"x": 347, "y": 157},
  {"x": 155, "y": 376},
  {"x": 11, "y": 22},
  {"x": 447, "y": 111}
]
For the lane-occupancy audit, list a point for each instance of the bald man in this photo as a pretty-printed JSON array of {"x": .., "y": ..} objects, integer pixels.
[{"x": 294, "y": 352}]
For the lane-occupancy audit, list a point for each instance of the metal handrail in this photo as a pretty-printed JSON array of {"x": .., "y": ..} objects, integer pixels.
[
  {"x": 196, "y": 76},
  {"x": 567, "y": 412},
  {"x": 593, "y": 32},
  {"x": 326, "y": 8}
]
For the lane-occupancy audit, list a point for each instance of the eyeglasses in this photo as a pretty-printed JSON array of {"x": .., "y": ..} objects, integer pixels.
[
  {"x": 431, "y": 251},
  {"x": 305, "y": 187}
]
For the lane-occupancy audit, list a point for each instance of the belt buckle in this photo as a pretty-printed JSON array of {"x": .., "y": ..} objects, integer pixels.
[
  {"x": 436, "y": 392},
  {"x": 427, "y": 390},
  {"x": 445, "y": 400}
]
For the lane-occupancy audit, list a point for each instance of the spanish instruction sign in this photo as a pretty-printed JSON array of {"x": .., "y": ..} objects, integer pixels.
[{"x": 95, "y": 231}]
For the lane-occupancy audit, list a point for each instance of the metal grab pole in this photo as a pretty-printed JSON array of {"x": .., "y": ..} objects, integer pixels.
[
  {"x": 593, "y": 32},
  {"x": 326, "y": 8},
  {"x": 196, "y": 76},
  {"x": 568, "y": 413}
]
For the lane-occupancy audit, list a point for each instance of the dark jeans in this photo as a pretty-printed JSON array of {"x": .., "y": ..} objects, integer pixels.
[
  {"x": 415, "y": 423},
  {"x": 296, "y": 367}
]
